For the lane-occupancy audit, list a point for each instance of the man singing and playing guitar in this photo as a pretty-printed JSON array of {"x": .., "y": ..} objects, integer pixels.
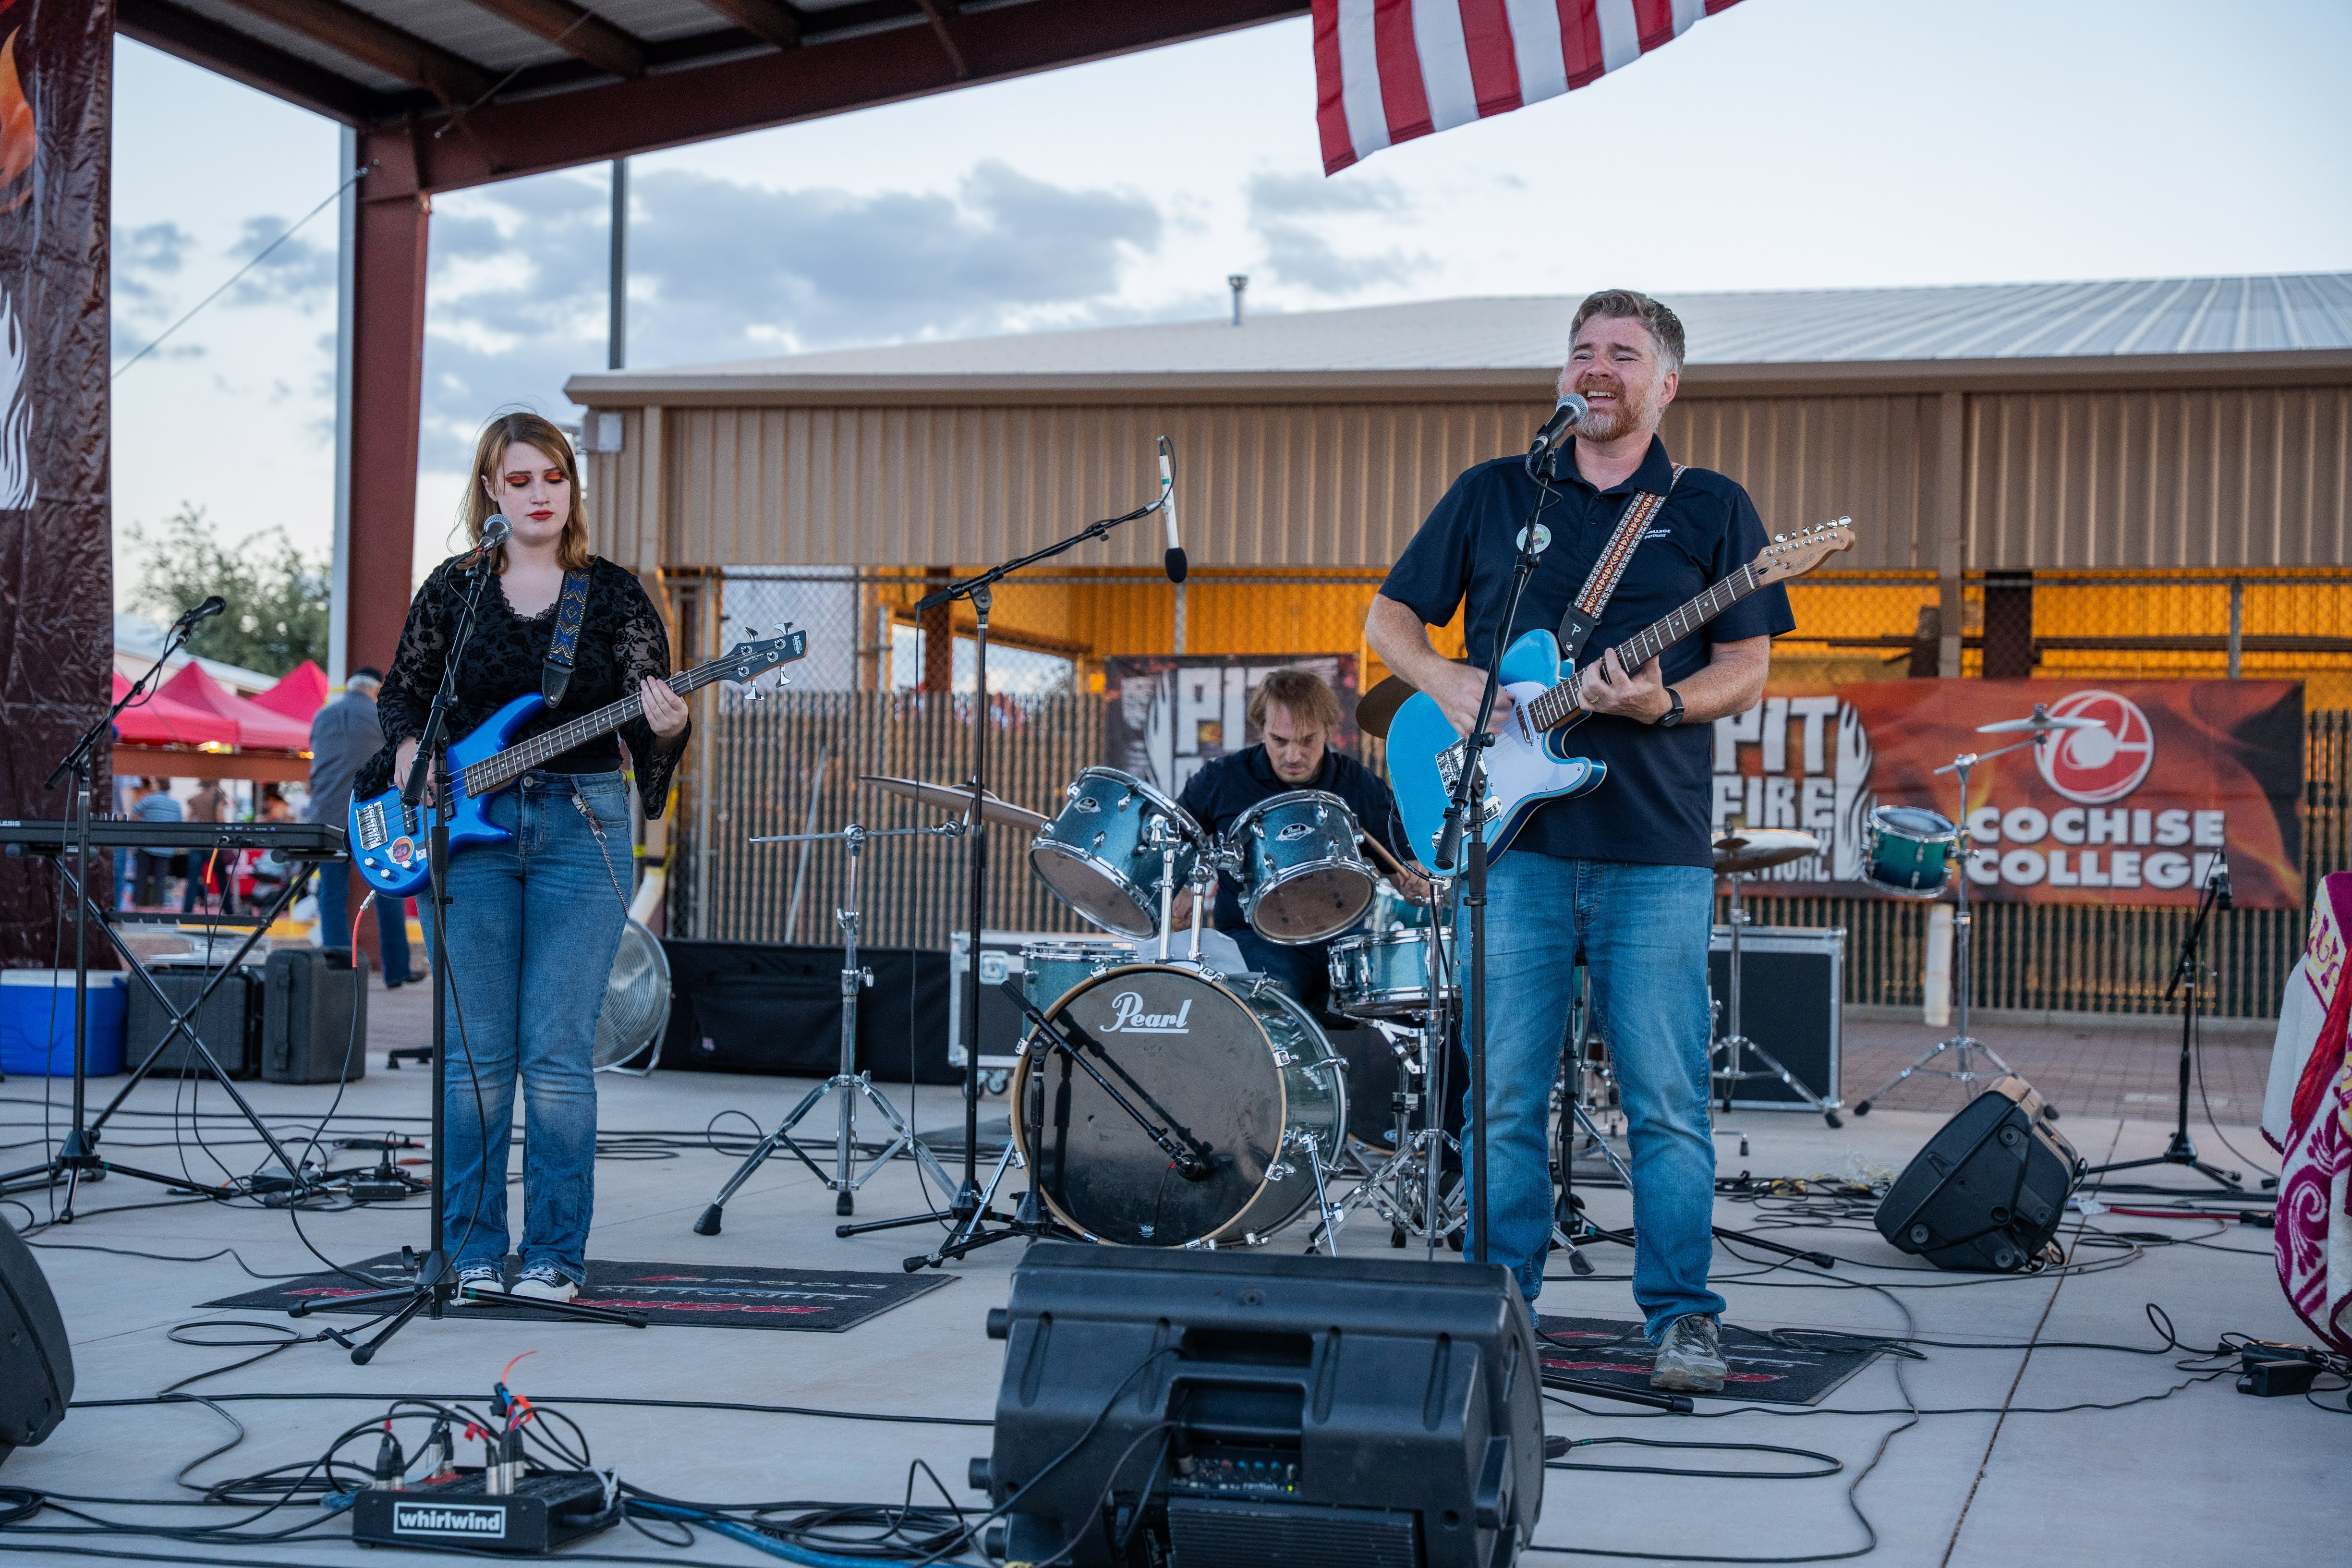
[
  {"x": 535, "y": 919},
  {"x": 1620, "y": 876}
]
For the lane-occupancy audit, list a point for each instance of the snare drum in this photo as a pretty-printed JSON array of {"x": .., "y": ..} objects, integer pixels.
[
  {"x": 1384, "y": 975},
  {"x": 1102, "y": 854},
  {"x": 1240, "y": 1070},
  {"x": 1909, "y": 851},
  {"x": 1049, "y": 969},
  {"x": 1303, "y": 878}
]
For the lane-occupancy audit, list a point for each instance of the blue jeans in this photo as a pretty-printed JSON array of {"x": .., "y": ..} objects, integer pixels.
[
  {"x": 335, "y": 922},
  {"x": 533, "y": 927},
  {"x": 1305, "y": 971},
  {"x": 1643, "y": 933}
]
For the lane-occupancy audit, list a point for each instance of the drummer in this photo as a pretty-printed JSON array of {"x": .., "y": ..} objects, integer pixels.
[{"x": 1295, "y": 715}]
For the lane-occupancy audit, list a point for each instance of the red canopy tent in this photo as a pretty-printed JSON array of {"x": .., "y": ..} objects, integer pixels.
[
  {"x": 298, "y": 695},
  {"x": 256, "y": 725},
  {"x": 160, "y": 720}
]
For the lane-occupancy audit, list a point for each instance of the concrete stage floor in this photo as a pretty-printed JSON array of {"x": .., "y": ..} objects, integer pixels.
[{"x": 2207, "y": 1476}]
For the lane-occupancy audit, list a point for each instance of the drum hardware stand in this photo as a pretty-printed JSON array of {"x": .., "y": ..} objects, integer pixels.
[
  {"x": 437, "y": 1277},
  {"x": 77, "y": 1159},
  {"x": 1961, "y": 1043},
  {"x": 1571, "y": 1207},
  {"x": 1384, "y": 1188},
  {"x": 853, "y": 1085},
  {"x": 970, "y": 1207},
  {"x": 2182, "y": 1149},
  {"x": 1735, "y": 1045}
]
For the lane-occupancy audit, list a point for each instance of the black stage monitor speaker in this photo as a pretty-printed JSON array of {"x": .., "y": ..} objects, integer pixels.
[
  {"x": 1988, "y": 1191},
  {"x": 1222, "y": 1409},
  {"x": 229, "y": 1021},
  {"x": 37, "y": 1377},
  {"x": 313, "y": 1016}
]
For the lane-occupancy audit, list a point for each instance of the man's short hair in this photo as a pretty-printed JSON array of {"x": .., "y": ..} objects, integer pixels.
[
  {"x": 1621, "y": 304},
  {"x": 365, "y": 672},
  {"x": 1300, "y": 690}
]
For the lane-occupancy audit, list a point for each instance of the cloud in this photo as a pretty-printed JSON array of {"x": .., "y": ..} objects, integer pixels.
[
  {"x": 720, "y": 271},
  {"x": 1296, "y": 215},
  {"x": 143, "y": 256},
  {"x": 298, "y": 271}
]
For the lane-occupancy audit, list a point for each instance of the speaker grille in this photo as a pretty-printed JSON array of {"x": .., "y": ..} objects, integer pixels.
[{"x": 1205, "y": 1533}]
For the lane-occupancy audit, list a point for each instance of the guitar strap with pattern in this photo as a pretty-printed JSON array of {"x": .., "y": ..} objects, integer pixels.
[
  {"x": 571, "y": 611},
  {"x": 1584, "y": 612}
]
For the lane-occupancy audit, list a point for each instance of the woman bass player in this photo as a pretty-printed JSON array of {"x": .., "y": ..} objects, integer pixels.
[{"x": 533, "y": 923}]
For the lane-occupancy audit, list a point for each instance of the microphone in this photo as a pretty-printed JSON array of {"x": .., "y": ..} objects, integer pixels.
[
  {"x": 212, "y": 607},
  {"x": 1566, "y": 415},
  {"x": 495, "y": 531},
  {"x": 2220, "y": 880},
  {"x": 1174, "y": 558}
]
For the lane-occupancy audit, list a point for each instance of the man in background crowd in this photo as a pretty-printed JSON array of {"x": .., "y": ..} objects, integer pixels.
[
  {"x": 156, "y": 865},
  {"x": 208, "y": 871},
  {"x": 344, "y": 734}
]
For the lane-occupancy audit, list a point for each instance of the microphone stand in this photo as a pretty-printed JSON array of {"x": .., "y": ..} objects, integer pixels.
[
  {"x": 1468, "y": 804},
  {"x": 436, "y": 1280},
  {"x": 969, "y": 1208}
]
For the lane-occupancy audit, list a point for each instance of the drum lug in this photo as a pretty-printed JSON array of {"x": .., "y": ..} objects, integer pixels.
[{"x": 1283, "y": 1059}]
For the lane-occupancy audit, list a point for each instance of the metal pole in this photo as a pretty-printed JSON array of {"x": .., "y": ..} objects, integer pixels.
[
  {"x": 2237, "y": 622},
  {"x": 851, "y": 978},
  {"x": 616, "y": 335},
  {"x": 967, "y": 1200}
]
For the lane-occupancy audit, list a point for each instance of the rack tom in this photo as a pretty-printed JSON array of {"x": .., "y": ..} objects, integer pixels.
[
  {"x": 1384, "y": 975},
  {"x": 1049, "y": 970},
  {"x": 1302, "y": 879},
  {"x": 1103, "y": 855},
  {"x": 1909, "y": 851}
]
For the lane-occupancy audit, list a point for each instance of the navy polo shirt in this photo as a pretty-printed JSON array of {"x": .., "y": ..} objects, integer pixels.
[
  {"x": 1655, "y": 806},
  {"x": 1223, "y": 789}
]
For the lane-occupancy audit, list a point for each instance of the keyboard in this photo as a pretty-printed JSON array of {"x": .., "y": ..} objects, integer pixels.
[{"x": 295, "y": 840}]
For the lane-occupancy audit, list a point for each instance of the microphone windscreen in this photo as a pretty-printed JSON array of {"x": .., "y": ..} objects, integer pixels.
[{"x": 1177, "y": 565}]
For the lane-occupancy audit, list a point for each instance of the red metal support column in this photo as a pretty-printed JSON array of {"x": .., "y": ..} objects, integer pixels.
[{"x": 387, "y": 384}]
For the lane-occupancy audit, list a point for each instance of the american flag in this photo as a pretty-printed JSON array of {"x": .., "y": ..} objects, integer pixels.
[{"x": 1389, "y": 70}]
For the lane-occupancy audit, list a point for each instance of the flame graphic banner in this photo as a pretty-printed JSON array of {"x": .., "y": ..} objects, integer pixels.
[
  {"x": 56, "y": 545},
  {"x": 2130, "y": 812}
]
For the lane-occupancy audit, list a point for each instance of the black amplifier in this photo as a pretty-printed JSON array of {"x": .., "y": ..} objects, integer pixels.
[
  {"x": 544, "y": 1511},
  {"x": 229, "y": 1020},
  {"x": 1792, "y": 981}
]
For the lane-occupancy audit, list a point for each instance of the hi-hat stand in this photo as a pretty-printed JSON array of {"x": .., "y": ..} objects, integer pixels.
[
  {"x": 2182, "y": 1150},
  {"x": 77, "y": 1159},
  {"x": 852, "y": 1085},
  {"x": 970, "y": 1209}
]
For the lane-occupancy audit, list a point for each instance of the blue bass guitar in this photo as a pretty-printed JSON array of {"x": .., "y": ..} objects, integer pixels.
[
  {"x": 1527, "y": 766},
  {"x": 387, "y": 837}
]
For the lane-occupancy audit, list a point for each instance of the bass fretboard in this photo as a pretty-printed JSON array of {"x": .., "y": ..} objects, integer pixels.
[
  {"x": 496, "y": 772},
  {"x": 1559, "y": 705}
]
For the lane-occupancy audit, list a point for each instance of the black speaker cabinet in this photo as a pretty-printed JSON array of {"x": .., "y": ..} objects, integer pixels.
[
  {"x": 229, "y": 1021},
  {"x": 37, "y": 1375},
  {"x": 313, "y": 1016},
  {"x": 1789, "y": 990},
  {"x": 1988, "y": 1191},
  {"x": 1227, "y": 1408}
]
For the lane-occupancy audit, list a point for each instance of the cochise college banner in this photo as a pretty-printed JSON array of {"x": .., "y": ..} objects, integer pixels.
[{"x": 2129, "y": 812}]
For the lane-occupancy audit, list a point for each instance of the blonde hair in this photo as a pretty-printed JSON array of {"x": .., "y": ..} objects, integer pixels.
[
  {"x": 529, "y": 429},
  {"x": 1300, "y": 690}
]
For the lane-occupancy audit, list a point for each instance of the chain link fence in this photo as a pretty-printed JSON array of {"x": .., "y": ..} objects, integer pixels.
[{"x": 888, "y": 690}]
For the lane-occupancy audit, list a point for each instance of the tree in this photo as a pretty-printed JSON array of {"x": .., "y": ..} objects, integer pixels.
[{"x": 278, "y": 598}]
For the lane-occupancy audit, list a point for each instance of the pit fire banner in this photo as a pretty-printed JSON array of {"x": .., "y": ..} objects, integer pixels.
[
  {"x": 2130, "y": 813},
  {"x": 1167, "y": 715}
]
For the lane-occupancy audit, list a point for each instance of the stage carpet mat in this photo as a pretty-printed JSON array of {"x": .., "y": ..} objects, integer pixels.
[
  {"x": 1764, "y": 1371},
  {"x": 696, "y": 1295}
]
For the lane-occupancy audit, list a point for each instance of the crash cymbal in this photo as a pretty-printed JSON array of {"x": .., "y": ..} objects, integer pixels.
[
  {"x": 954, "y": 798},
  {"x": 2041, "y": 723},
  {"x": 1375, "y": 708},
  {"x": 1756, "y": 847}
]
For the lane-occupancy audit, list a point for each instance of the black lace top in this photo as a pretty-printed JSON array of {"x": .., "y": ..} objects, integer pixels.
[{"x": 622, "y": 641}]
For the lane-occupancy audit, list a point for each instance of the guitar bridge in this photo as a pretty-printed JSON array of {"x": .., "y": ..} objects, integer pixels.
[
  {"x": 1449, "y": 771},
  {"x": 371, "y": 831}
]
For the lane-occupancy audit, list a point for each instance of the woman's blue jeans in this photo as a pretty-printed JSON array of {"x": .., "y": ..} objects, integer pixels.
[
  {"x": 1642, "y": 932},
  {"x": 533, "y": 927}
]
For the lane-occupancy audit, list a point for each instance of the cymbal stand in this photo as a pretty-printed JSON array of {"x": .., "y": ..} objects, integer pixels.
[
  {"x": 1734, "y": 1046},
  {"x": 851, "y": 1084},
  {"x": 1962, "y": 1043}
]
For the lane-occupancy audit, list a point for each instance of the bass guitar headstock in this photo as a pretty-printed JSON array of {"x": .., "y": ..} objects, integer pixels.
[
  {"x": 749, "y": 659},
  {"x": 1794, "y": 554}
]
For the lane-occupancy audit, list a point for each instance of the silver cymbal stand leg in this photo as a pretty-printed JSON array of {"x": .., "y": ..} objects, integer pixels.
[{"x": 1736, "y": 1044}]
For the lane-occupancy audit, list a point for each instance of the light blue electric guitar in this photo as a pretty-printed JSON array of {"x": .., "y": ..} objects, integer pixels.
[
  {"x": 1525, "y": 766},
  {"x": 387, "y": 838}
]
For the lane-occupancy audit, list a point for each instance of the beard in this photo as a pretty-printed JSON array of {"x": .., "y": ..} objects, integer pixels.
[{"x": 1630, "y": 412}]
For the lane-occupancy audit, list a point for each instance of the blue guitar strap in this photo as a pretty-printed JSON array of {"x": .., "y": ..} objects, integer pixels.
[
  {"x": 1584, "y": 612},
  {"x": 571, "y": 611}
]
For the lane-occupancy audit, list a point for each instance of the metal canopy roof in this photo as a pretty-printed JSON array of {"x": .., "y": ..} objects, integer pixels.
[
  {"x": 606, "y": 77},
  {"x": 1864, "y": 332}
]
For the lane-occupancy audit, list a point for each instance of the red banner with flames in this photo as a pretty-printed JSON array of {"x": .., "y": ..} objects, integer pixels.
[{"x": 2131, "y": 812}]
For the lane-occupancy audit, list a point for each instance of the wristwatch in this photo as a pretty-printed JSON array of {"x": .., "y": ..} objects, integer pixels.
[{"x": 1671, "y": 716}]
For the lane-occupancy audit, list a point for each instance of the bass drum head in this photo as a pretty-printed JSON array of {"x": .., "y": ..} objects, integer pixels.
[{"x": 1196, "y": 1059}]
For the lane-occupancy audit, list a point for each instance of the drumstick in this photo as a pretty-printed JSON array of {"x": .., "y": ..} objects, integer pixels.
[{"x": 1372, "y": 844}]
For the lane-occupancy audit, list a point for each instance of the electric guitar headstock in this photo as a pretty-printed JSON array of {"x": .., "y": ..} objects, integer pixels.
[
  {"x": 1794, "y": 554},
  {"x": 749, "y": 659}
]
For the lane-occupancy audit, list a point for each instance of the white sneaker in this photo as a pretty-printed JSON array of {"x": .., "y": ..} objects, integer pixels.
[
  {"x": 545, "y": 1282},
  {"x": 482, "y": 1274}
]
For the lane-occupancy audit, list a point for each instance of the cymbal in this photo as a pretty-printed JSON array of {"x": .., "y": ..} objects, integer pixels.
[
  {"x": 957, "y": 799},
  {"x": 1758, "y": 847},
  {"x": 2041, "y": 723},
  {"x": 1375, "y": 708}
]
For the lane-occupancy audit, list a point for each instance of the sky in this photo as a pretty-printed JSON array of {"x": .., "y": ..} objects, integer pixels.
[{"x": 1785, "y": 144}]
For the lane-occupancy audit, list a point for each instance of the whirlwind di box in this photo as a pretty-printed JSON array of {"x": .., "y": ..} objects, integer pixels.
[{"x": 544, "y": 1511}]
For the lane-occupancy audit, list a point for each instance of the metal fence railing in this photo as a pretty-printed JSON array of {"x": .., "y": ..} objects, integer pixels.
[{"x": 857, "y": 707}]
